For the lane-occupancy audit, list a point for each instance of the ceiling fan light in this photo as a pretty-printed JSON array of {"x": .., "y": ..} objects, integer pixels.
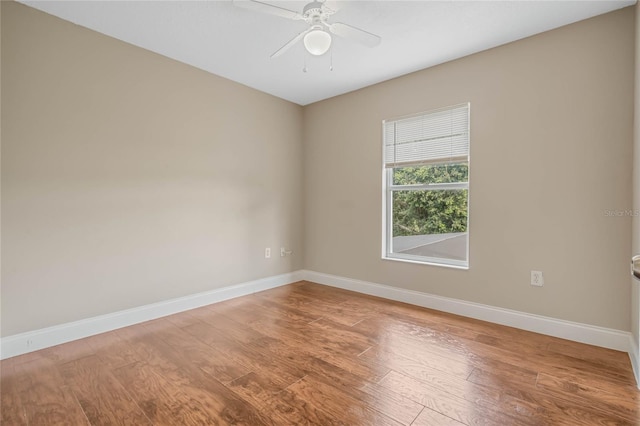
[{"x": 317, "y": 42}]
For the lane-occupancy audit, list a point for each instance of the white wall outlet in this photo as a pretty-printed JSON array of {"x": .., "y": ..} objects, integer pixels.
[
  {"x": 537, "y": 279},
  {"x": 267, "y": 253}
]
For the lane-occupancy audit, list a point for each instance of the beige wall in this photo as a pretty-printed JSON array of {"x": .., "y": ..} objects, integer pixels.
[
  {"x": 551, "y": 146},
  {"x": 129, "y": 178}
]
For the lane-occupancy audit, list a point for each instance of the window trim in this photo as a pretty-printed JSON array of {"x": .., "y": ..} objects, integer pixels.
[{"x": 387, "y": 205}]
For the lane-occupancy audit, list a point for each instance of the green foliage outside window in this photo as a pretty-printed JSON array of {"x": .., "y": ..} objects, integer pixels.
[{"x": 425, "y": 212}]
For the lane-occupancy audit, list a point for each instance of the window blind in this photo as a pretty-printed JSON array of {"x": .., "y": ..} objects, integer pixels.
[{"x": 433, "y": 137}]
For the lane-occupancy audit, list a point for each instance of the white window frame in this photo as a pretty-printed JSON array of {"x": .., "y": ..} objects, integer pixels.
[{"x": 387, "y": 201}]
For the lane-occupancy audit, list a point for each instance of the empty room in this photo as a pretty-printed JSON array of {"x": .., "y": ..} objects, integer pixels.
[{"x": 245, "y": 212}]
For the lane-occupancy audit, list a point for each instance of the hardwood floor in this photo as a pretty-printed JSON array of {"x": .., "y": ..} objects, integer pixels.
[{"x": 310, "y": 354}]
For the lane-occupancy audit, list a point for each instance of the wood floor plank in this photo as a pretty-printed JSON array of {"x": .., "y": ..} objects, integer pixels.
[
  {"x": 429, "y": 417},
  {"x": 594, "y": 398},
  {"x": 112, "y": 349},
  {"x": 314, "y": 415},
  {"x": 282, "y": 311},
  {"x": 182, "y": 319},
  {"x": 559, "y": 411},
  {"x": 467, "y": 345},
  {"x": 318, "y": 336},
  {"x": 307, "y": 354},
  {"x": 413, "y": 360},
  {"x": 338, "y": 403},
  {"x": 236, "y": 329},
  {"x": 51, "y": 356},
  {"x": 250, "y": 355},
  {"x": 69, "y": 351},
  {"x": 437, "y": 381},
  {"x": 446, "y": 321},
  {"x": 102, "y": 397},
  {"x": 325, "y": 326},
  {"x": 387, "y": 402},
  {"x": 267, "y": 396},
  {"x": 46, "y": 398},
  {"x": 448, "y": 404},
  {"x": 243, "y": 312},
  {"x": 12, "y": 412},
  {"x": 315, "y": 306},
  {"x": 390, "y": 403},
  {"x": 366, "y": 369},
  {"x": 397, "y": 330},
  {"x": 174, "y": 392},
  {"x": 163, "y": 400},
  {"x": 556, "y": 364},
  {"x": 333, "y": 373},
  {"x": 589, "y": 352},
  {"x": 457, "y": 332},
  {"x": 504, "y": 375},
  {"x": 196, "y": 353},
  {"x": 524, "y": 397}
]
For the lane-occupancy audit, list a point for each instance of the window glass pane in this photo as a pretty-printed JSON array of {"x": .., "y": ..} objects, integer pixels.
[
  {"x": 433, "y": 173},
  {"x": 430, "y": 223}
]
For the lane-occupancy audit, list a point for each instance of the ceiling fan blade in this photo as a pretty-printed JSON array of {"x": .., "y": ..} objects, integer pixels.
[
  {"x": 270, "y": 9},
  {"x": 347, "y": 31},
  {"x": 290, "y": 43}
]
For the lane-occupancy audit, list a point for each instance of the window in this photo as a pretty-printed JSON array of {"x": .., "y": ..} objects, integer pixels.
[{"x": 426, "y": 187}]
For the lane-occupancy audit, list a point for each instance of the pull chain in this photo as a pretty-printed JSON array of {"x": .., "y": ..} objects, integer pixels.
[{"x": 304, "y": 61}]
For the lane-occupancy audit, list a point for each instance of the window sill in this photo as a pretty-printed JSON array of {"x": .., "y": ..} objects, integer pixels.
[{"x": 426, "y": 262}]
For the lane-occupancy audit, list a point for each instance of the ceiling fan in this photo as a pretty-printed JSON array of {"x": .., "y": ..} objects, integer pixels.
[{"x": 317, "y": 38}]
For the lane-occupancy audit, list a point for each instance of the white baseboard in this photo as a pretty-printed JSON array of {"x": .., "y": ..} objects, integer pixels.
[
  {"x": 583, "y": 333},
  {"x": 635, "y": 359},
  {"x": 23, "y": 343},
  {"x": 39, "y": 339}
]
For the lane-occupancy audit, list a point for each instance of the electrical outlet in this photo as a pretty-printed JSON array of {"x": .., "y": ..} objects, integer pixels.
[
  {"x": 267, "y": 253},
  {"x": 284, "y": 252},
  {"x": 537, "y": 279}
]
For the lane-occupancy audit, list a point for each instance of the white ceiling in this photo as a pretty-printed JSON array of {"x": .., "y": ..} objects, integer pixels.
[{"x": 236, "y": 43}]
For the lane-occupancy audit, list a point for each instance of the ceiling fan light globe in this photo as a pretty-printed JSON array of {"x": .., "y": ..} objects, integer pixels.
[{"x": 317, "y": 42}]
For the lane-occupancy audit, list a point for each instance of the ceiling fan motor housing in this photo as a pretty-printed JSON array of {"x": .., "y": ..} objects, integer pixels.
[{"x": 315, "y": 12}]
